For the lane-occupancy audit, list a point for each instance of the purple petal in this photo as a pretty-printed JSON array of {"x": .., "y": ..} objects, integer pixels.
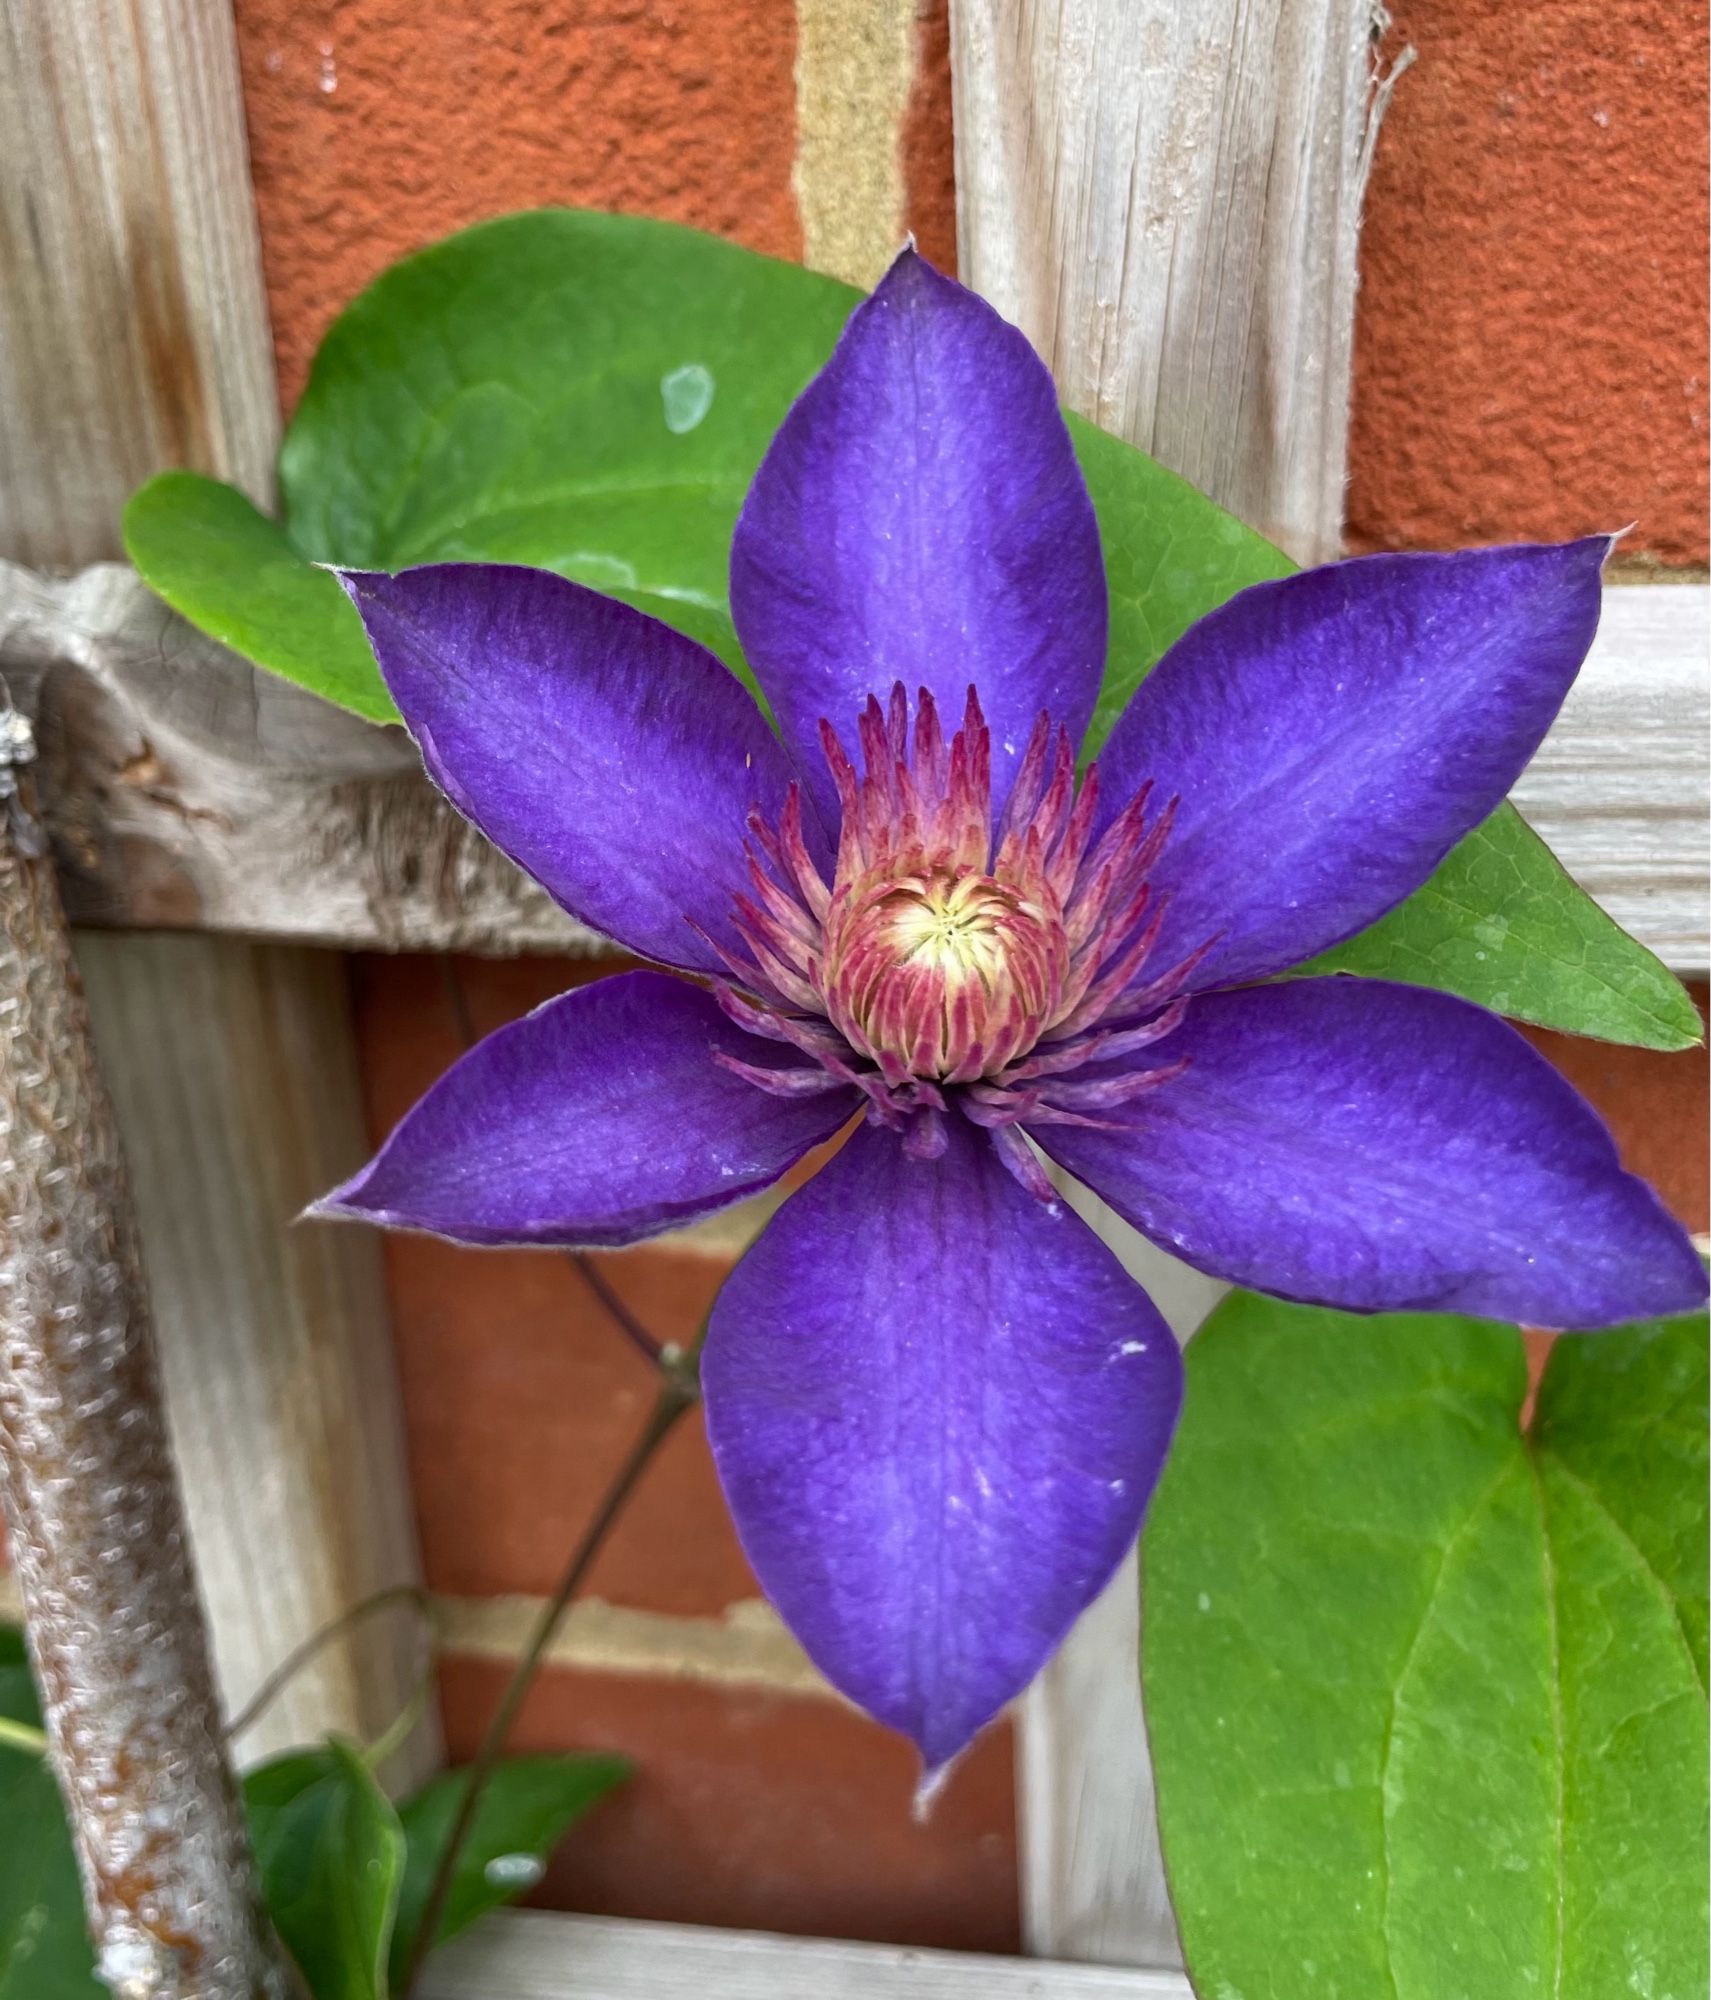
[
  {"x": 938, "y": 1407},
  {"x": 1332, "y": 735},
  {"x": 920, "y": 517},
  {"x": 608, "y": 755},
  {"x": 1384, "y": 1148},
  {"x": 599, "y": 1119}
]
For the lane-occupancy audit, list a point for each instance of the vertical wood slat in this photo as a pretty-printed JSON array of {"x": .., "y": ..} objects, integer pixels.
[
  {"x": 136, "y": 336},
  {"x": 135, "y": 333},
  {"x": 1165, "y": 195},
  {"x": 234, "y": 1076}
]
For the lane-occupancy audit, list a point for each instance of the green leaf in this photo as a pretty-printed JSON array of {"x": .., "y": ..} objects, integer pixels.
[
  {"x": 1637, "y": 1471},
  {"x": 1424, "y": 1692},
  {"x": 1502, "y": 923},
  {"x": 592, "y": 393},
  {"x": 331, "y": 1855},
  {"x": 1171, "y": 556},
  {"x": 44, "y": 1947},
  {"x": 231, "y": 571},
  {"x": 528, "y": 1806},
  {"x": 18, "y": 1701}
]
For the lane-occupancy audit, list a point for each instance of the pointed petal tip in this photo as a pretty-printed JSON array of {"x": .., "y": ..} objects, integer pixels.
[
  {"x": 929, "y": 1787},
  {"x": 909, "y": 268},
  {"x": 342, "y": 1203},
  {"x": 1678, "y": 1285},
  {"x": 357, "y": 584}
]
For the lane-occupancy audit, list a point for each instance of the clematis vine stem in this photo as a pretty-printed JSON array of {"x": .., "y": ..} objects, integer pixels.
[
  {"x": 303, "y": 1655},
  {"x": 620, "y": 1315},
  {"x": 679, "y": 1391}
]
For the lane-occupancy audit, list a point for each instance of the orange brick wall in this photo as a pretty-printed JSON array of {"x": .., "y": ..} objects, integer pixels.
[
  {"x": 1530, "y": 353},
  {"x": 1530, "y": 360}
]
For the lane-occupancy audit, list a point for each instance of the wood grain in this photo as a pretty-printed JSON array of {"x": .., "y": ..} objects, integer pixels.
[
  {"x": 1165, "y": 196},
  {"x": 529, "y": 1955},
  {"x": 135, "y": 337},
  {"x": 234, "y": 1074},
  {"x": 135, "y": 329},
  {"x": 189, "y": 791}
]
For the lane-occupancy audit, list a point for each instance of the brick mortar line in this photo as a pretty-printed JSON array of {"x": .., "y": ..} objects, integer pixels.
[
  {"x": 746, "y": 1647},
  {"x": 855, "y": 69}
]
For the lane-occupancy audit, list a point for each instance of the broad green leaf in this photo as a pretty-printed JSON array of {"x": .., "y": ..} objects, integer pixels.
[
  {"x": 1501, "y": 922},
  {"x": 44, "y": 1947},
  {"x": 1170, "y": 557},
  {"x": 331, "y": 1855},
  {"x": 1424, "y": 1692},
  {"x": 529, "y": 1804},
  {"x": 592, "y": 393},
  {"x": 1637, "y": 1470}
]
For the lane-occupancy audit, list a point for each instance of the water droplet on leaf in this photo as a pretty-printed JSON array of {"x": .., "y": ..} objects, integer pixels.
[
  {"x": 514, "y": 1871},
  {"x": 687, "y": 394}
]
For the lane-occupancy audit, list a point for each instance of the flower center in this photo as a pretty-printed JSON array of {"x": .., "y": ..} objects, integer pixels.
[
  {"x": 950, "y": 972},
  {"x": 1001, "y": 953}
]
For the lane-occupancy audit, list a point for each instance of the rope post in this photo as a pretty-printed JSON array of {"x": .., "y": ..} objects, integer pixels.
[{"x": 92, "y": 1505}]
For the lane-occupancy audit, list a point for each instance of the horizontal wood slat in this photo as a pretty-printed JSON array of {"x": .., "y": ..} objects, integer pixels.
[
  {"x": 530, "y": 1955},
  {"x": 190, "y": 793}
]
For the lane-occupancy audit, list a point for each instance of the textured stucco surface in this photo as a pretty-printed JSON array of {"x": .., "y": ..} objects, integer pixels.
[
  {"x": 378, "y": 125},
  {"x": 1531, "y": 342}
]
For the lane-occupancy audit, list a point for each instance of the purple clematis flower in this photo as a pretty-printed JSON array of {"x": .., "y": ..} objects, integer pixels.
[{"x": 937, "y": 1403}]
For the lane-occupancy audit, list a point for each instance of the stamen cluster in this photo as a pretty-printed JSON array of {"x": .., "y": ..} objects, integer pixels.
[{"x": 951, "y": 955}]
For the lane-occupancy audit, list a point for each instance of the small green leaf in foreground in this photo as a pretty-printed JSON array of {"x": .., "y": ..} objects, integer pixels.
[
  {"x": 44, "y": 1946},
  {"x": 530, "y": 1803},
  {"x": 330, "y": 1852},
  {"x": 230, "y": 570},
  {"x": 1425, "y": 1693}
]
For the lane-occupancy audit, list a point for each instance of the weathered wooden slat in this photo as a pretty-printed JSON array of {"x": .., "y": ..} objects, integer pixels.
[
  {"x": 135, "y": 336},
  {"x": 529, "y": 1955},
  {"x": 193, "y": 793},
  {"x": 1620, "y": 789},
  {"x": 135, "y": 329},
  {"x": 234, "y": 1075},
  {"x": 1165, "y": 195}
]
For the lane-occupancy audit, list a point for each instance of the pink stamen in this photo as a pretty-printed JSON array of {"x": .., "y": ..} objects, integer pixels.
[{"x": 950, "y": 955}]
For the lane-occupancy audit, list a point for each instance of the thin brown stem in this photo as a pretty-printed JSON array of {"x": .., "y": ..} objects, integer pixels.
[
  {"x": 626, "y": 1322},
  {"x": 458, "y": 1001},
  {"x": 678, "y": 1392},
  {"x": 300, "y": 1656}
]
